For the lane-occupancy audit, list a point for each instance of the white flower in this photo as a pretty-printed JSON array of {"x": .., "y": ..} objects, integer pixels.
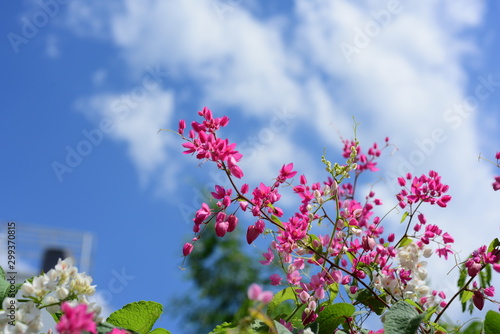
[
  {"x": 62, "y": 292},
  {"x": 356, "y": 231},
  {"x": 428, "y": 252},
  {"x": 326, "y": 190},
  {"x": 52, "y": 300},
  {"x": 29, "y": 314},
  {"x": 26, "y": 316},
  {"x": 420, "y": 271},
  {"x": 81, "y": 284},
  {"x": 424, "y": 290},
  {"x": 37, "y": 288}
]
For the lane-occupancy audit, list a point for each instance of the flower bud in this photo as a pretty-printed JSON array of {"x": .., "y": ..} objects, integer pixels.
[{"x": 187, "y": 249}]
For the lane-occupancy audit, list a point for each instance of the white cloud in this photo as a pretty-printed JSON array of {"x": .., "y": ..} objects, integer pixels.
[{"x": 137, "y": 124}]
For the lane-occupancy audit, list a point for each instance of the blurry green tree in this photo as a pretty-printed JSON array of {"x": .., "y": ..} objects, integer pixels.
[{"x": 220, "y": 271}]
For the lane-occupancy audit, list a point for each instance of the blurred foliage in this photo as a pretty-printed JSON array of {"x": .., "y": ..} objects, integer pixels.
[
  {"x": 220, "y": 270},
  {"x": 474, "y": 327}
]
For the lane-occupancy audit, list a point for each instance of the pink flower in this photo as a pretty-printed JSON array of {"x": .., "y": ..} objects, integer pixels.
[
  {"x": 294, "y": 277},
  {"x": 478, "y": 300},
  {"x": 345, "y": 280},
  {"x": 496, "y": 184},
  {"x": 443, "y": 201},
  {"x": 269, "y": 257},
  {"x": 182, "y": 126},
  {"x": 221, "y": 228},
  {"x": 447, "y": 238},
  {"x": 401, "y": 181},
  {"x": 233, "y": 222},
  {"x": 444, "y": 252},
  {"x": 286, "y": 172},
  {"x": 288, "y": 325},
  {"x": 473, "y": 267},
  {"x": 255, "y": 230},
  {"x": 187, "y": 249},
  {"x": 118, "y": 331},
  {"x": 75, "y": 320},
  {"x": 220, "y": 192},
  {"x": 244, "y": 205},
  {"x": 255, "y": 292},
  {"x": 490, "y": 292},
  {"x": 202, "y": 213},
  {"x": 233, "y": 168},
  {"x": 275, "y": 279}
]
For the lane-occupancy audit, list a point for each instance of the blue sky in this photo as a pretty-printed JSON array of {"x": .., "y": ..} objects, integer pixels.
[{"x": 100, "y": 79}]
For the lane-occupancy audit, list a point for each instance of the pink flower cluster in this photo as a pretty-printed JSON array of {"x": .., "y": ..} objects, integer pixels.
[
  {"x": 480, "y": 258},
  {"x": 427, "y": 189},
  {"x": 203, "y": 141},
  {"x": 78, "y": 320},
  {"x": 355, "y": 252},
  {"x": 256, "y": 293},
  {"x": 75, "y": 320}
]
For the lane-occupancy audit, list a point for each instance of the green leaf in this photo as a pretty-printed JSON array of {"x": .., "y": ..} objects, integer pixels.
[
  {"x": 404, "y": 216},
  {"x": 276, "y": 220},
  {"x": 314, "y": 327},
  {"x": 138, "y": 317},
  {"x": 104, "y": 328},
  {"x": 402, "y": 318},
  {"x": 281, "y": 329},
  {"x": 492, "y": 323},
  {"x": 297, "y": 318},
  {"x": 222, "y": 328},
  {"x": 6, "y": 289},
  {"x": 333, "y": 316},
  {"x": 159, "y": 331},
  {"x": 415, "y": 305},
  {"x": 462, "y": 277},
  {"x": 366, "y": 298},
  {"x": 258, "y": 326},
  {"x": 466, "y": 296},
  {"x": 278, "y": 298},
  {"x": 334, "y": 291},
  {"x": 405, "y": 241},
  {"x": 494, "y": 244}
]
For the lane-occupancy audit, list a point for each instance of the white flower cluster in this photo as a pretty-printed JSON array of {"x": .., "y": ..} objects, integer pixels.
[
  {"x": 61, "y": 283},
  {"x": 17, "y": 318},
  {"x": 407, "y": 280}
]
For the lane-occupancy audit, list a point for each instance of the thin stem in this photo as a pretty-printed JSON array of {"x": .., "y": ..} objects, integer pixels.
[{"x": 453, "y": 298}]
